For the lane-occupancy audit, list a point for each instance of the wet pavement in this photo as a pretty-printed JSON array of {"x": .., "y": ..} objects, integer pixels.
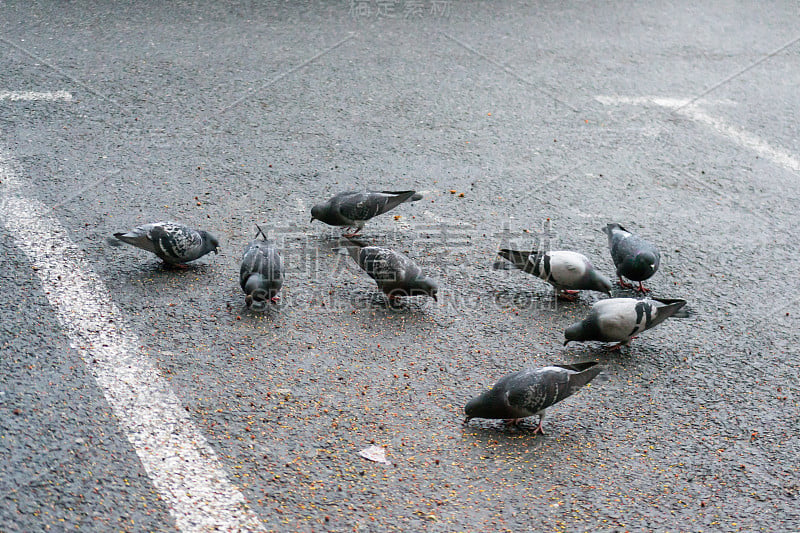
[{"x": 524, "y": 124}]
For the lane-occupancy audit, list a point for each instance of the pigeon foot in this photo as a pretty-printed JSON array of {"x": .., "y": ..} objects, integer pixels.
[{"x": 624, "y": 284}]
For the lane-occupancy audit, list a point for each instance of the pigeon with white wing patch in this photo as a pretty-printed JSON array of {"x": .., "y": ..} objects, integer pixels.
[
  {"x": 621, "y": 319},
  {"x": 568, "y": 272}
]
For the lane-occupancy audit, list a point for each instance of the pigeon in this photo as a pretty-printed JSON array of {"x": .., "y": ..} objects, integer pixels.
[
  {"x": 634, "y": 257},
  {"x": 395, "y": 274},
  {"x": 351, "y": 209},
  {"x": 568, "y": 272},
  {"x": 173, "y": 242},
  {"x": 620, "y": 319},
  {"x": 530, "y": 392},
  {"x": 261, "y": 273}
]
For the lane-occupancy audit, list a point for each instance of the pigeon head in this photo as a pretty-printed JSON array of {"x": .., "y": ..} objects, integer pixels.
[
  {"x": 575, "y": 332},
  {"x": 253, "y": 288},
  {"x": 483, "y": 406},
  {"x": 599, "y": 282},
  {"x": 424, "y": 286},
  {"x": 319, "y": 212},
  {"x": 210, "y": 243}
]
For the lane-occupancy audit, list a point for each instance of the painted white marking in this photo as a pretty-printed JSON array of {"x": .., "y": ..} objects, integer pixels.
[
  {"x": 181, "y": 464},
  {"x": 642, "y": 100},
  {"x": 31, "y": 95},
  {"x": 741, "y": 137},
  {"x": 744, "y": 138},
  {"x": 663, "y": 101}
]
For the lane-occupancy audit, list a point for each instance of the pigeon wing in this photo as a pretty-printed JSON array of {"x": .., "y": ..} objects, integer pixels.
[
  {"x": 360, "y": 206},
  {"x": 618, "y": 319},
  {"x": 565, "y": 269},
  {"x": 533, "y": 390},
  {"x": 175, "y": 243},
  {"x": 386, "y": 266}
]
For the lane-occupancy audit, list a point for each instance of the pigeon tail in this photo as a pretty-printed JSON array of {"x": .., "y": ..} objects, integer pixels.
[
  {"x": 585, "y": 372},
  {"x": 674, "y": 303},
  {"x": 139, "y": 240},
  {"x": 503, "y": 265},
  {"x": 397, "y": 198},
  {"x": 520, "y": 259},
  {"x": 353, "y": 247}
]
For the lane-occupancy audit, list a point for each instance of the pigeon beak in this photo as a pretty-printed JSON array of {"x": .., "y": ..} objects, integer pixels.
[
  {"x": 312, "y": 220},
  {"x": 435, "y": 299},
  {"x": 466, "y": 420},
  {"x": 566, "y": 342}
]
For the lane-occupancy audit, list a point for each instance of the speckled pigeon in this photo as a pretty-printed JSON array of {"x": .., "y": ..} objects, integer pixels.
[
  {"x": 634, "y": 257},
  {"x": 351, "y": 209},
  {"x": 261, "y": 273},
  {"x": 620, "y": 319},
  {"x": 530, "y": 392},
  {"x": 174, "y": 243},
  {"x": 395, "y": 274},
  {"x": 568, "y": 272}
]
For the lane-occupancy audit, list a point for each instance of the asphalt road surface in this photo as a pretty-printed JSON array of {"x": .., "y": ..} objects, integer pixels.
[{"x": 139, "y": 398}]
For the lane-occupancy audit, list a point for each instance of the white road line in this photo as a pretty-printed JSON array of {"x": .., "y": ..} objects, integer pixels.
[
  {"x": 181, "y": 464},
  {"x": 693, "y": 112},
  {"x": 744, "y": 138},
  {"x": 31, "y": 95},
  {"x": 663, "y": 101},
  {"x": 642, "y": 100}
]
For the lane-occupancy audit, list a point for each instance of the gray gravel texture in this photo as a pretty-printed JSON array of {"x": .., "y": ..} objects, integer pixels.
[{"x": 222, "y": 116}]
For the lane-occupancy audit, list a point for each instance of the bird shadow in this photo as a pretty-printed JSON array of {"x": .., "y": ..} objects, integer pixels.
[
  {"x": 600, "y": 352},
  {"x": 491, "y": 426},
  {"x": 258, "y": 310},
  {"x": 533, "y": 300},
  {"x": 364, "y": 299},
  {"x": 159, "y": 272}
]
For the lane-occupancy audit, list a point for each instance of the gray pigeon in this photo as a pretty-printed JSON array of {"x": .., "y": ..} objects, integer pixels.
[
  {"x": 634, "y": 257},
  {"x": 567, "y": 272},
  {"x": 620, "y": 319},
  {"x": 175, "y": 243},
  {"x": 351, "y": 209},
  {"x": 395, "y": 274},
  {"x": 530, "y": 392},
  {"x": 261, "y": 273}
]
